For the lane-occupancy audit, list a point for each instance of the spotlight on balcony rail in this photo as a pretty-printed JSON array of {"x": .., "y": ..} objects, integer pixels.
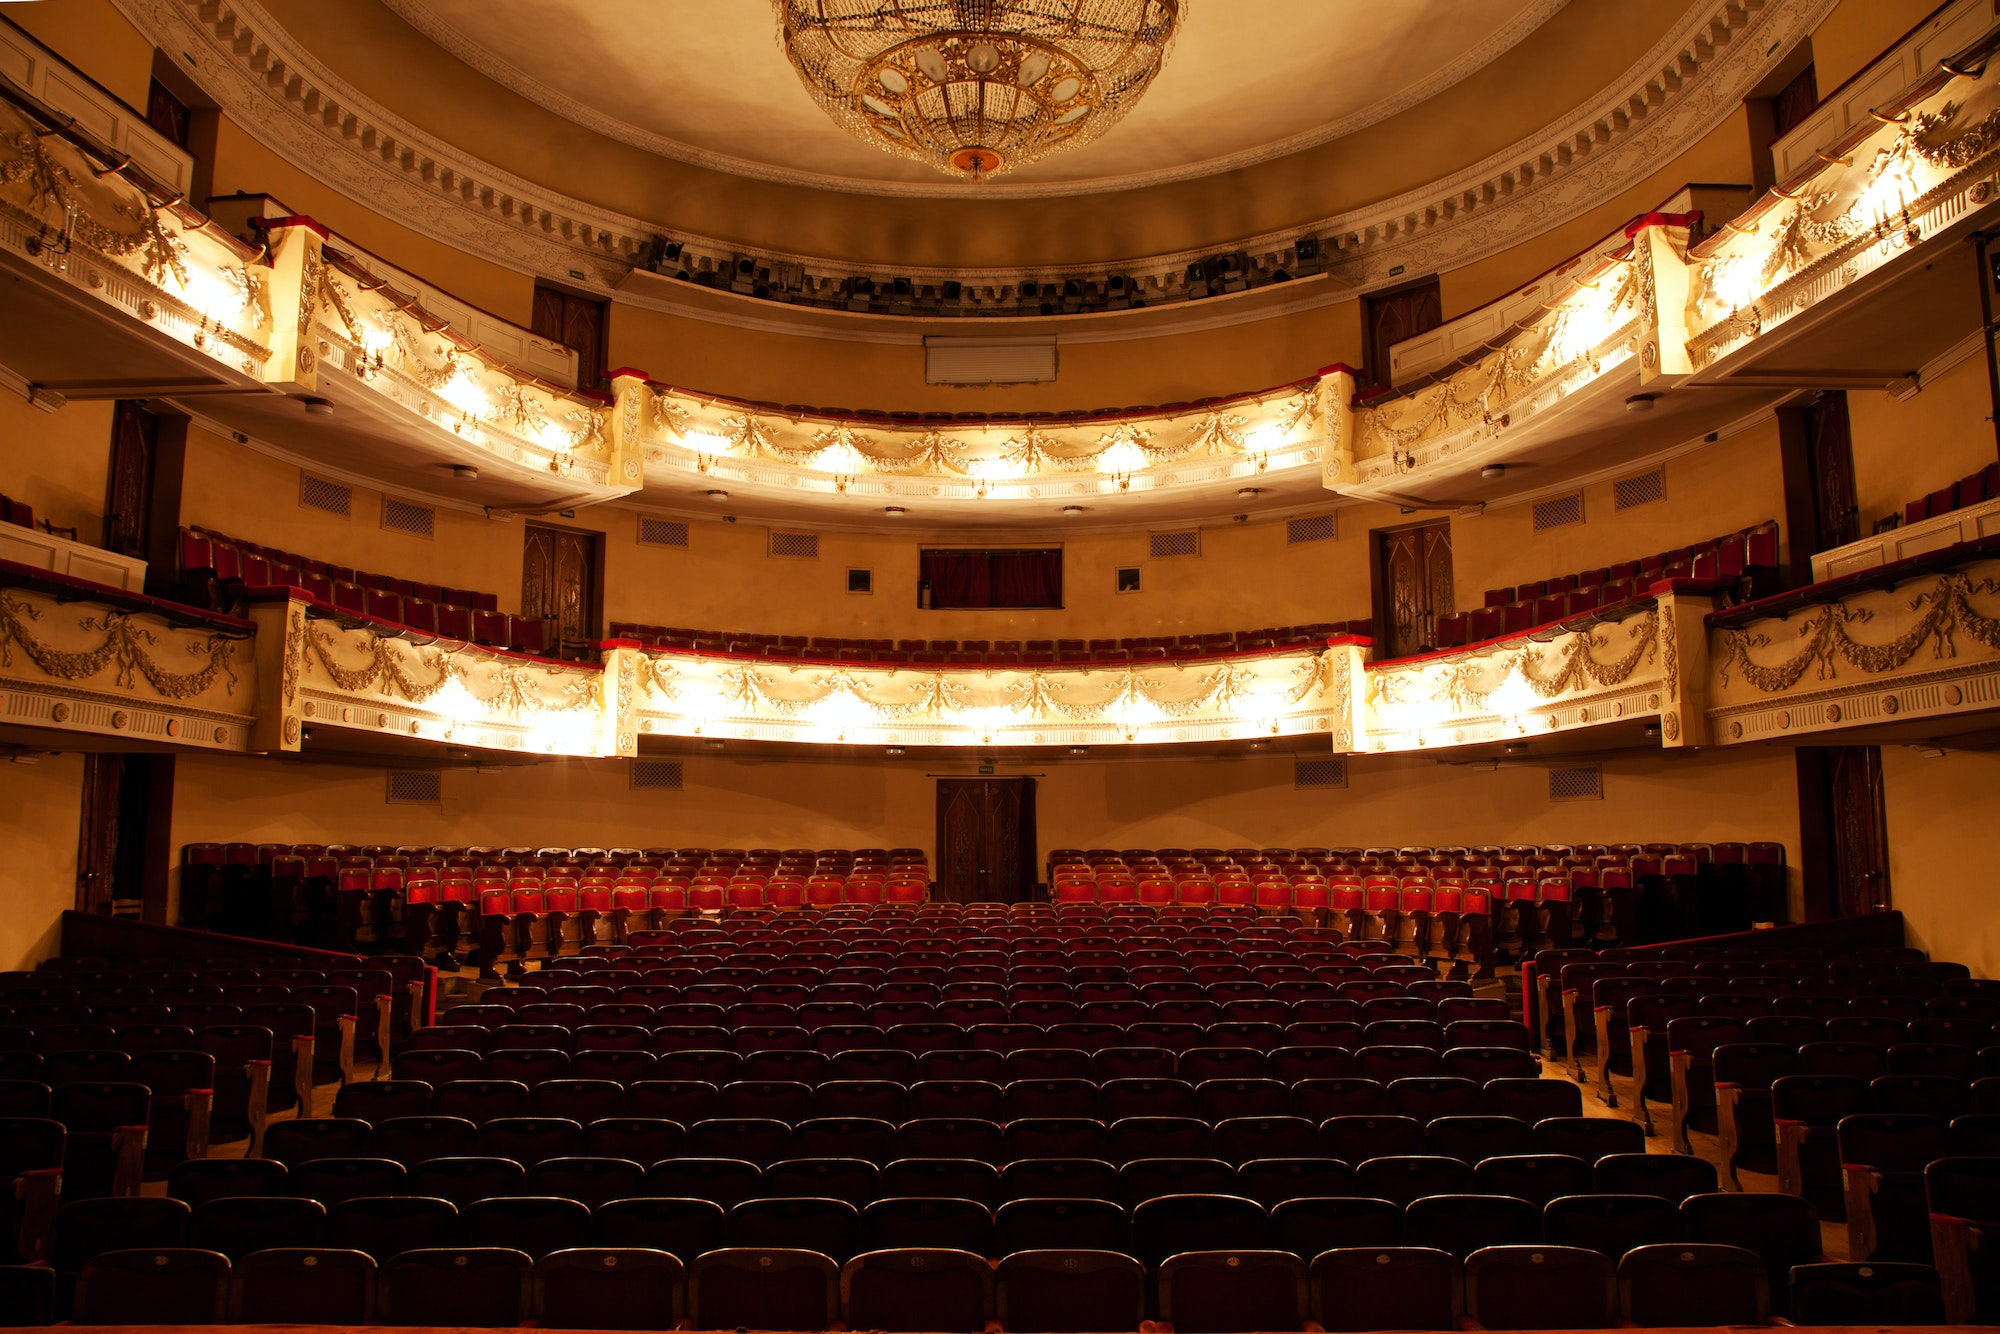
[
  {"x": 1640, "y": 403},
  {"x": 318, "y": 407},
  {"x": 1493, "y": 471},
  {"x": 717, "y": 496},
  {"x": 464, "y": 472}
]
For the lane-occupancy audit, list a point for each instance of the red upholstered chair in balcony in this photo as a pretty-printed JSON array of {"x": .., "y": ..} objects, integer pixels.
[
  {"x": 529, "y": 635},
  {"x": 454, "y": 622},
  {"x": 490, "y": 628},
  {"x": 1487, "y": 623}
]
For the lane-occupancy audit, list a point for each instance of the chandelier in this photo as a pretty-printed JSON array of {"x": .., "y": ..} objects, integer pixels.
[{"x": 977, "y": 87}]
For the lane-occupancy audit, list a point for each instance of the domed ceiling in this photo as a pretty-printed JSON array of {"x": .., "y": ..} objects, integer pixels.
[{"x": 707, "y": 83}]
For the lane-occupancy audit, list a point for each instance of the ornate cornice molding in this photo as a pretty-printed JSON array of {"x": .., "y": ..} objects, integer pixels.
[
  {"x": 1685, "y": 86},
  {"x": 453, "y": 40}
]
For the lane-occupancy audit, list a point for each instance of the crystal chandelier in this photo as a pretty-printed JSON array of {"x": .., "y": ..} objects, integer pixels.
[{"x": 977, "y": 87}]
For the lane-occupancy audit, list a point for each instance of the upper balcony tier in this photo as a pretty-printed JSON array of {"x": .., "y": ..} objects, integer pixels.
[
  {"x": 316, "y": 349},
  {"x": 1308, "y": 145}
]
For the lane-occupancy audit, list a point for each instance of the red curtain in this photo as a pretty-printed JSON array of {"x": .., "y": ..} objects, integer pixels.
[{"x": 976, "y": 579}]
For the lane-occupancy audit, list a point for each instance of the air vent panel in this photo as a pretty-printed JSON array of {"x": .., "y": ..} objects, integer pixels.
[
  {"x": 795, "y": 546},
  {"x": 319, "y": 494},
  {"x": 1187, "y": 543},
  {"x": 1313, "y": 528},
  {"x": 1330, "y": 771},
  {"x": 1559, "y": 512},
  {"x": 662, "y": 532},
  {"x": 1643, "y": 489},
  {"x": 1581, "y": 782},
  {"x": 656, "y": 773},
  {"x": 403, "y": 517},
  {"x": 415, "y": 787}
]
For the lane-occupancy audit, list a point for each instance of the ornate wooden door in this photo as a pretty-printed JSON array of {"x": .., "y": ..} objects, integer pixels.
[
  {"x": 128, "y": 485},
  {"x": 559, "y": 581},
  {"x": 1395, "y": 315},
  {"x": 1858, "y": 829},
  {"x": 1416, "y": 587},
  {"x": 578, "y": 323},
  {"x": 1831, "y": 450},
  {"x": 986, "y": 839}
]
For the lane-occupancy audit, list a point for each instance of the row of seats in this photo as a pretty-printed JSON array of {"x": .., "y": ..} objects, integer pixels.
[
  {"x": 717, "y": 1061},
  {"x": 216, "y": 571},
  {"x": 1183, "y": 1112},
  {"x": 1589, "y": 894},
  {"x": 1677, "y": 1284},
  {"x": 991, "y": 652},
  {"x": 355, "y": 896},
  {"x": 538, "y": 1214},
  {"x": 1972, "y": 489},
  {"x": 1749, "y": 553}
]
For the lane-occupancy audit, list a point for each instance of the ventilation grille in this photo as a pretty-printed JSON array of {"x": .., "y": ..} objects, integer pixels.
[
  {"x": 404, "y": 517},
  {"x": 1320, "y": 773},
  {"x": 656, "y": 773},
  {"x": 413, "y": 787},
  {"x": 1643, "y": 489},
  {"x": 1317, "y": 528},
  {"x": 1177, "y": 544},
  {"x": 662, "y": 533},
  {"x": 320, "y": 494},
  {"x": 1558, "y": 512},
  {"x": 1583, "y": 782},
  {"x": 795, "y": 546}
]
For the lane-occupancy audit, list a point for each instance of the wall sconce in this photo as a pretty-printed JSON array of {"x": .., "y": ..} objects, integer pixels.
[{"x": 1121, "y": 461}]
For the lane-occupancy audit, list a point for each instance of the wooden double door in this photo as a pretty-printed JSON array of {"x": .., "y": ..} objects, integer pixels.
[
  {"x": 1414, "y": 587},
  {"x": 985, "y": 839},
  {"x": 559, "y": 584}
]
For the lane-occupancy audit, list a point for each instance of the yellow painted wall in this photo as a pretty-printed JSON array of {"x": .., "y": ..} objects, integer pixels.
[
  {"x": 806, "y": 802},
  {"x": 1941, "y": 814},
  {"x": 93, "y": 36},
  {"x": 825, "y": 373},
  {"x": 1857, "y": 31},
  {"x": 1717, "y": 489},
  {"x": 56, "y": 461},
  {"x": 1905, "y": 450},
  {"x": 245, "y": 165},
  {"x": 43, "y": 802},
  {"x": 1246, "y": 577},
  {"x": 238, "y": 491}
]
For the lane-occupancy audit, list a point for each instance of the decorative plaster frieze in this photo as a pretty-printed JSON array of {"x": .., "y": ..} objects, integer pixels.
[
  {"x": 1914, "y": 169},
  {"x": 84, "y": 666},
  {"x": 1524, "y": 687},
  {"x": 327, "y": 672},
  {"x": 1911, "y": 644},
  {"x": 1290, "y": 692}
]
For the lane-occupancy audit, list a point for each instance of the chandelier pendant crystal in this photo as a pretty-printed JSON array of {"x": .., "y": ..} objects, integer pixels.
[{"x": 976, "y": 88}]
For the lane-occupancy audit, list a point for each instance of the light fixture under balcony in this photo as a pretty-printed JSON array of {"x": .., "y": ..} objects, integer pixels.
[{"x": 977, "y": 87}]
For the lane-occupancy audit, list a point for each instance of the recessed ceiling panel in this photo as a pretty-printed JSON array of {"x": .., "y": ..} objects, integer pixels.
[{"x": 706, "y": 81}]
